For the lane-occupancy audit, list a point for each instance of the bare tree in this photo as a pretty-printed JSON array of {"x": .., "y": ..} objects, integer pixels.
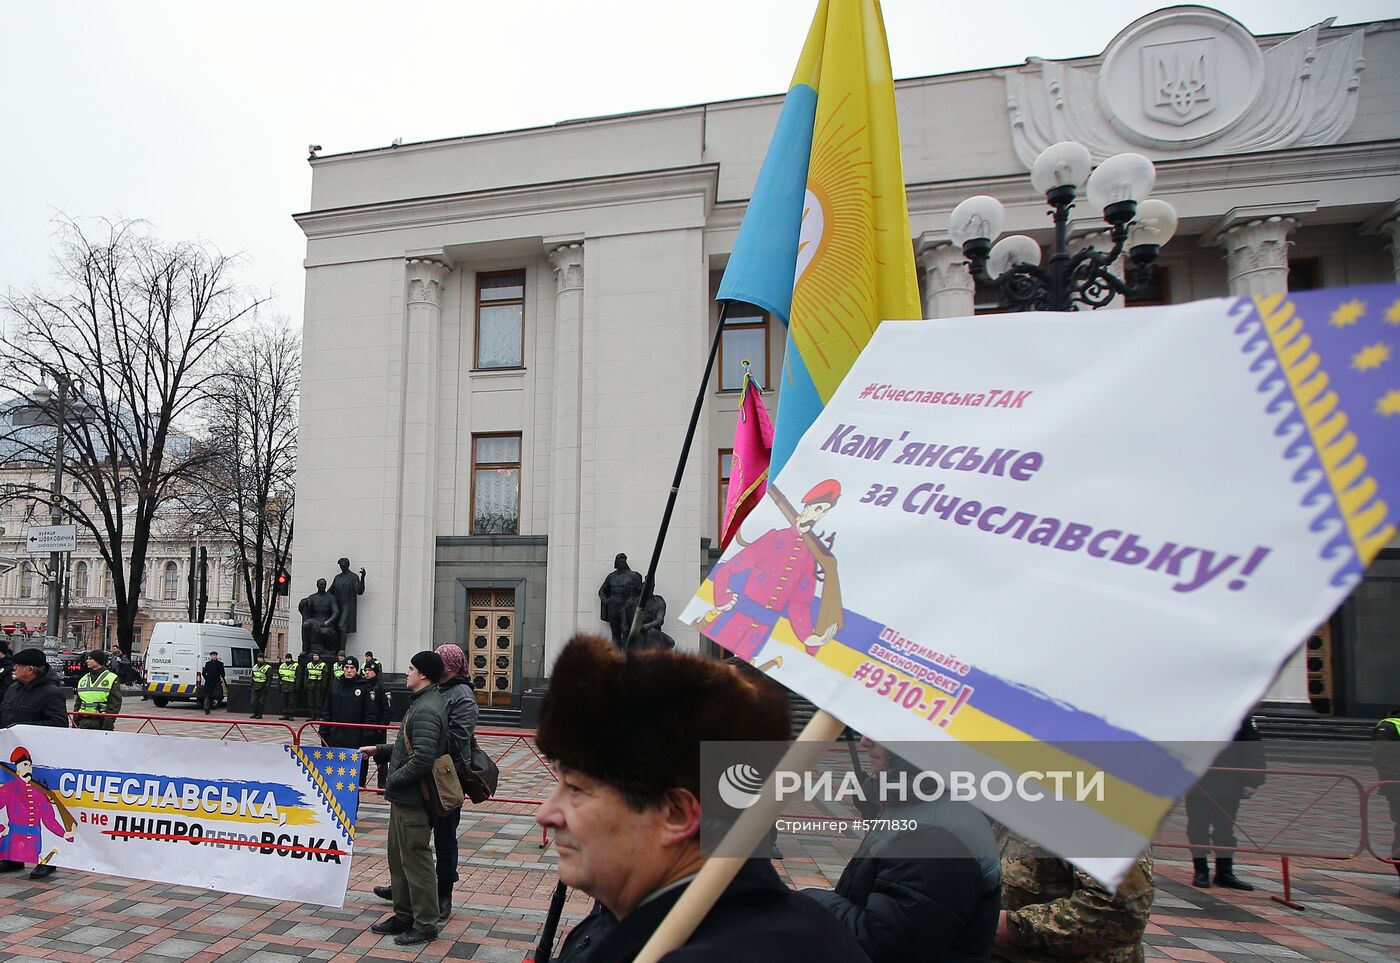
[
  {"x": 131, "y": 326},
  {"x": 245, "y": 485}
]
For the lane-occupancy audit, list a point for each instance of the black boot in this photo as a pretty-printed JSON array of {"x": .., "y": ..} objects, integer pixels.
[
  {"x": 1202, "y": 877},
  {"x": 444, "y": 902},
  {"x": 1225, "y": 875}
]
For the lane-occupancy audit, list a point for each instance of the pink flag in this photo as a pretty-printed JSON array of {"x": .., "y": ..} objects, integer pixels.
[{"x": 753, "y": 446}]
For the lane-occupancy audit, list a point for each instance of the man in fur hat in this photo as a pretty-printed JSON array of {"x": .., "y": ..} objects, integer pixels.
[{"x": 624, "y": 733}]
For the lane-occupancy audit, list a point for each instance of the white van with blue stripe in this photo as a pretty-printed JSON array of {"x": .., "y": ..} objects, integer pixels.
[{"x": 178, "y": 650}]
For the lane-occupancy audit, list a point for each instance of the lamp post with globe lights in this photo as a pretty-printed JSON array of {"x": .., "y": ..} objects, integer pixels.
[{"x": 1119, "y": 187}]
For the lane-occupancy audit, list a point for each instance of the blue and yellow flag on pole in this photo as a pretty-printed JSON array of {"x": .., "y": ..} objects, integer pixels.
[{"x": 825, "y": 244}]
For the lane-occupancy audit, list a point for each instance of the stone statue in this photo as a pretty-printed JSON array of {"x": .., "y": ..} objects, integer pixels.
[
  {"x": 621, "y": 584},
  {"x": 346, "y": 587},
  {"x": 649, "y": 634},
  {"x": 319, "y": 612}
]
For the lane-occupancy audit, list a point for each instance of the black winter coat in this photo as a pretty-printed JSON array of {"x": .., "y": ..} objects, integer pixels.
[
  {"x": 756, "y": 920},
  {"x": 932, "y": 893},
  {"x": 1245, "y": 752},
  {"x": 38, "y": 703},
  {"x": 348, "y": 700}
]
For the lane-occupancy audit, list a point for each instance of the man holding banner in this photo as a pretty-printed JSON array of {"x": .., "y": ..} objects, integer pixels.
[{"x": 626, "y": 809}]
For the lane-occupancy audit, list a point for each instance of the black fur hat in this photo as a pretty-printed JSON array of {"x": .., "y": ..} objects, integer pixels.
[{"x": 637, "y": 722}]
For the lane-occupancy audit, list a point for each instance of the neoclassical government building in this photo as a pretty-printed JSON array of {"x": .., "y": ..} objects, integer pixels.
[{"x": 504, "y": 332}]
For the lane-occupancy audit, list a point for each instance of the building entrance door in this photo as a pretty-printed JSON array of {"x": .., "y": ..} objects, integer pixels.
[{"x": 491, "y": 644}]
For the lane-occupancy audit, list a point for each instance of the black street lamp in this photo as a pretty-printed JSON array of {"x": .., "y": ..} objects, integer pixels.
[
  {"x": 60, "y": 407},
  {"x": 1118, "y": 187}
]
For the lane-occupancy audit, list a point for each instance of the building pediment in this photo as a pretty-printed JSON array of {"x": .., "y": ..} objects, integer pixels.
[{"x": 1189, "y": 81}]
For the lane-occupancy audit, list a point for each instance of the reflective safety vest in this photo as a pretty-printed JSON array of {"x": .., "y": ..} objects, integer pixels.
[
  {"x": 287, "y": 672},
  {"x": 314, "y": 671},
  {"x": 338, "y": 670},
  {"x": 94, "y": 691},
  {"x": 260, "y": 674},
  {"x": 1393, "y": 721}
]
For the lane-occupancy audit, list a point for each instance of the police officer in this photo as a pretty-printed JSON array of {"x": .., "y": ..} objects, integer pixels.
[
  {"x": 260, "y": 673},
  {"x": 1386, "y": 754},
  {"x": 381, "y": 712},
  {"x": 287, "y": 677},
  {"x": 315, "y": 685},
  {"x": 338, "y": 668},
  {"x": 371, "y": 662},
  {"x": 348, "y": 700},
  {"x": 99, "y": 691}
]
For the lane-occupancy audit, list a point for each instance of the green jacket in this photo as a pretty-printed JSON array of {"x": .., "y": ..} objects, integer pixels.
[{"x": 425, "y": 726}]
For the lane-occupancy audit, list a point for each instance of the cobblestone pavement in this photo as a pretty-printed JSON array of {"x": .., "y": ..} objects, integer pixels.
[{"x": 1352, "y": 909}]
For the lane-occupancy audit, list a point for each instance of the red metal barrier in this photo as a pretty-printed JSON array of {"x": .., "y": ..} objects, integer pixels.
[
  {"x": 1394, "y": 785},
  {"x": 517, "y": 737},
  {"x": 149, "y": 723},
  {"x": 1327, "y": 781}
]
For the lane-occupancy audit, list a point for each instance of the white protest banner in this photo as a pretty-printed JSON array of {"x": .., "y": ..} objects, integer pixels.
[
  {"x": 1074, "y": 536},
  {"x": 264, "y": 820}
]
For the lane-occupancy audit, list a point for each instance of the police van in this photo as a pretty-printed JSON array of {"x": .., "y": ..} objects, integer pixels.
[{"x": 177, "y": 652}]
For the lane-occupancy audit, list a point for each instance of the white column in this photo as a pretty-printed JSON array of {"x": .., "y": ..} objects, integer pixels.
[
  {"x": 413, "y": 604},
  {"x": 1256, "y": 255},
  {"x": 1391, "y": 230},
  {"x": 561, "y": 619},
  {"x": 948, "y": 285}
]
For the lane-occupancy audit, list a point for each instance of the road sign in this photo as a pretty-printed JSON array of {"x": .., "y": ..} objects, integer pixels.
[{"x": 51, "y": 538}]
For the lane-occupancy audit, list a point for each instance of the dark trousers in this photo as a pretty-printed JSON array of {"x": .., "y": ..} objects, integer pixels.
[
  {"x": 1392, "y": 797},
  {"x": 1210, "y": 821},
  {"x": 411, "y": 867},
  {"x": 289, "y": 701},
  {"x": 259, "y": 697},
  {"x": 316, "y": 698},
  {"x": 212, "y": 694},
  {"x": 445, "y": 847}
]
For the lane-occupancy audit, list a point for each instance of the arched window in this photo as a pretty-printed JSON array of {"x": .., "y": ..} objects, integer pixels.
[
  {"x": 171, "y": 589},
  {"x": 80, "y": 580},
  {"x": 26, "y": 581}
]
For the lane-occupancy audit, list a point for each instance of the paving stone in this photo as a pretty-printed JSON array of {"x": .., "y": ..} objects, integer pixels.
[
  {"x": 92, "y": 935},
  {"x": 179, "y": 949}
]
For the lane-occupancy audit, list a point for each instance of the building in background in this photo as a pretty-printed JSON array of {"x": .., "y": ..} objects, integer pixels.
[
  {"x": 503, "y": 332},
  {"x": 90, "y": 606}
]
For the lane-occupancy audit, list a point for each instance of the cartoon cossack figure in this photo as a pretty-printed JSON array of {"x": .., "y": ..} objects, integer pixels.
[
  {"x": 28, "y": 809},
  {"x": 780, "y": 575}
]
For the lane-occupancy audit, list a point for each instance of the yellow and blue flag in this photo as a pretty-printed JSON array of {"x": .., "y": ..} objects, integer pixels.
[{"x": 825, "y": 244}]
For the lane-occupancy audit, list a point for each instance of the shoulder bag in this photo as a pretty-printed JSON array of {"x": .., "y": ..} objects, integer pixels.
[
  {"x": 479, "y": 777},
  {"x": 441, "y": 788}
]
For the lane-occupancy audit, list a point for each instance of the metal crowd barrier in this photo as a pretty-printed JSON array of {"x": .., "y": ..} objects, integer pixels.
[
  {"x": 1254, "y": 843},
  {"x": 516, "y": 737},
  {"x": 1328, "y": 785},
  {"x": 150, "y": 723}
]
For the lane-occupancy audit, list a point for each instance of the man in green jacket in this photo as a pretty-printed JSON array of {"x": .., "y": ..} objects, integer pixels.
[
  {"x": 422, "y": 738},
  {"x": 99, "y": 695}
]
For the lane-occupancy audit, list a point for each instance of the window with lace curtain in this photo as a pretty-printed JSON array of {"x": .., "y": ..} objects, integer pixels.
[
  {"x": 500, "y": 319},
  {"x": 495, "y": 485},
  {"x": 170, "y": 589}
]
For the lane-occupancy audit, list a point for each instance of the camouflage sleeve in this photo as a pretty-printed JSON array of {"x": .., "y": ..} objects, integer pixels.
[{"x": 1088, "y": 920}]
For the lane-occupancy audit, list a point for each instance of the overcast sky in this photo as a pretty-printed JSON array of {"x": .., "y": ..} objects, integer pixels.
[{"x": 196, "y": 115}]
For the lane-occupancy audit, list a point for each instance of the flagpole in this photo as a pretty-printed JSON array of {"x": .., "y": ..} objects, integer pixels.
[{"x": 649, "y": 583}]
